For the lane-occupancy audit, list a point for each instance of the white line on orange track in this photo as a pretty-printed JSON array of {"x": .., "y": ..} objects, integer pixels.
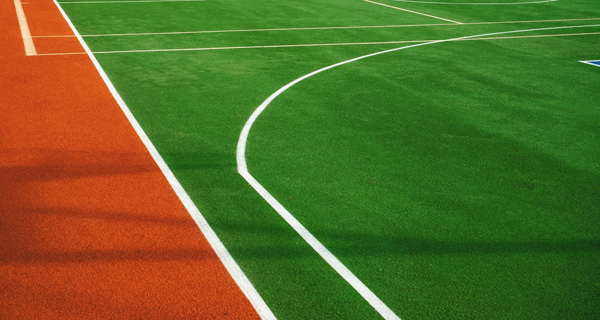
[{"x": 25, "y": 33}]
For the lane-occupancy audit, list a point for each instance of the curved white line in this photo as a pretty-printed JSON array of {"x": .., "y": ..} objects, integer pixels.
[
  {"x": 232, "y": 267},
  {"x": 477, "y": 3},
  {"x": 334, "y": 262}
]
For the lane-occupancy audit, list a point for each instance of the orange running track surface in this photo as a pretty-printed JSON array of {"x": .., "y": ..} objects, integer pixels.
[{"x": 89, "y": 226}]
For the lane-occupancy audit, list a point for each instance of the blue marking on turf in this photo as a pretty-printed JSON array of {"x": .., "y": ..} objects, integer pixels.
[{"x": 594, "y": 63}]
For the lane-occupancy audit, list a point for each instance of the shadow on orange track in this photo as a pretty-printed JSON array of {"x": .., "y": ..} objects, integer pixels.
[{"x": 89, "y": 227}]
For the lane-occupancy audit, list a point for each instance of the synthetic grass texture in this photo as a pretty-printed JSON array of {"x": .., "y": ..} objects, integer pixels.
[
  {"x": 457, "y": 180},
  {"x": 472, "y": 174}
]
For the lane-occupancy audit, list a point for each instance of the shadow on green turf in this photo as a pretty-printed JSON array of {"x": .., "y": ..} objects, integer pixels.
[{"x": 359, "y": 244}]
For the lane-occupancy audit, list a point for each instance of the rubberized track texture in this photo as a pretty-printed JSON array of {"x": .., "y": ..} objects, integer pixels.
[{"x": 89, "y": 227}]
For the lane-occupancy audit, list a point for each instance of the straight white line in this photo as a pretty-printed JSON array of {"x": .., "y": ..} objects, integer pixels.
[
  {"x": 415, "y": 12},
  {"x": 232, "y": 267},
  {"x": 334, "y": 262},
  {"x": 25, "y": 33},
  {"x": 317, "y": 45},
  {"x": 257, "y": 30},
  {"x": 127, "y": 1},
  {"x": 328, "y": 44},
  {"x": 478, "y": 3},
  {"x": 61, "y": 53},
  {"x": 251, "y": 47},
  {"x": 310, "y": 28}
]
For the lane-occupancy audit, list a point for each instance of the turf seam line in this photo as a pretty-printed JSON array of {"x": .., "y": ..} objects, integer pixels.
[
  {"x": 415, "y": 12},
  {"x": 232, "y": 267},
  {"x": 308, "y": 28},
  {"x": 333, "y": 261},
  {"x": 25, "y": 33},
  {"x": 325, "y": 44}
]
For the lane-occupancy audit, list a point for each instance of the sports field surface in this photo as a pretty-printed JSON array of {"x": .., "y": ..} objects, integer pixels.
[{"x": 300, "y": 159}]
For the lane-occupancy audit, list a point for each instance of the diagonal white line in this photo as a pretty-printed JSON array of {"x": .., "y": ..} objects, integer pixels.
[
  {"x": 415, "y": 12},
  {"x": 232, "y": 267},
  {"x": 25, "y": 33},
  {"x": 333, "y": 261}
]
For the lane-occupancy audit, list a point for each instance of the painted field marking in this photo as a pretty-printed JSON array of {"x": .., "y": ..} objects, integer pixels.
[
  {"x": 25, "y": 33},
  {"x": 126, "y": 1},
  {"x": 592, "y": 62},
  {"x": 61, "y": 53},
  {"x": 477, "y": 3},
  {"x": 232, "y": 267},
  {"x": 322, "y": 44},
  {"x": 333, "y": 261},
  {"x": 415, "y": 12},
  {"x": 310, "y": 28}
]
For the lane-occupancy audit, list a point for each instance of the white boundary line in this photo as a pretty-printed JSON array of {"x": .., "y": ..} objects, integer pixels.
[
  {"x": 591, "y": 62},
  {"x": 319, "y": 44},
  {"x": 232, "y": 267},
  {"x": 477, "y": 3},
  {"x": 334, "y": 262},
  {"x": 25, "y": 33},
  {"x": 127, "y": 1},
  {"x": 315, "y": 45},
  {"x": 311, "y": 28},
  {"x": 415, "y": 12},
  {"x": 61, "y": 53}
]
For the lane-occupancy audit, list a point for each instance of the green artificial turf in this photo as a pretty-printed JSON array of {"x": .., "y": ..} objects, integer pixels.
[
  {"x": 457, "y": 180},
  {"x": 470, "y": 182}
]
